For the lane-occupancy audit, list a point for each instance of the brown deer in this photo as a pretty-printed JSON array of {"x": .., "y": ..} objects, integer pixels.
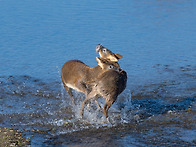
[
  {"x": 107, "y": 54},
  {"x": 78, "y": 76},
  {"x": 108, "y": 85}
]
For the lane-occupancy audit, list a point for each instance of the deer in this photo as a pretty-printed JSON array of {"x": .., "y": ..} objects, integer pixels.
[
  {"x": 105, "y": 53},
  {"x": 108, "y": 85},
  {"x": 77, "y": 75}
]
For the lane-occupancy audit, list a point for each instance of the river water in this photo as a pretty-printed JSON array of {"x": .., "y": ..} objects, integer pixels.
[{"x": 157, "y": 39}]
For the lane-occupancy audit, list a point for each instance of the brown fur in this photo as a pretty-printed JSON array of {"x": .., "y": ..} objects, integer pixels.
[
  {"x": 105, "y": 53},
  {"x": 77, "y": 75},
  {"x": 108, "y": 85}
]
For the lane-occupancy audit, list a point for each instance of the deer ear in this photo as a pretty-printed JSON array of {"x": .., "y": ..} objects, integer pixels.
[
  {"x": 118, "y": 56},
  {"x": 100, "y": 63},
  {"x": 113, "y": 58}
]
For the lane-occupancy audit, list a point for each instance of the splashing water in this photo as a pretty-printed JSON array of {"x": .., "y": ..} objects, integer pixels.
[{"x": 119, "y": 112}]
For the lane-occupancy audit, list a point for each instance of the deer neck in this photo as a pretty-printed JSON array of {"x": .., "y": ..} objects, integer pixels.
[{"x": 94, "y": 72}]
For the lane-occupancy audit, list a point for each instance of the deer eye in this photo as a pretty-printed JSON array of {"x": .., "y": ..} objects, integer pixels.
[
  {"x": 110, "y": 67},
  {"x": 104, "y": 50}
]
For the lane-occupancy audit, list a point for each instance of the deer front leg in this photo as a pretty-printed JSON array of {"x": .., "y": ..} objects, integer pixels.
[
  {"x": 99, "y": 107},
  {"x": 88, "y": 97},
  {"x": 107, "y": 105}
]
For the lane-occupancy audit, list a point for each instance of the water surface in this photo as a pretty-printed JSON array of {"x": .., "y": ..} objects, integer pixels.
[{"x": 157, "y": 41}]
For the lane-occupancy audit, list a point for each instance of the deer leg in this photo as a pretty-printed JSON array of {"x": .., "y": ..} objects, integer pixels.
[
  {"x": 69, "y": 91},
  {"x": 89, "y": 96},
  {"x": 99, "y": 107},
  {"x": 107, "y": 105}
]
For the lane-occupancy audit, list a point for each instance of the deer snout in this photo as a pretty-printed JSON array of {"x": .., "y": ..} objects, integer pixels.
[
  {"x": 98, "y": 47},
  {"x": 120, "y": 70}
]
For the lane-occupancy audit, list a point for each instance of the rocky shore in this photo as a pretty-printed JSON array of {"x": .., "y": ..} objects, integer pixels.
[{"x": 10, "y": 137}]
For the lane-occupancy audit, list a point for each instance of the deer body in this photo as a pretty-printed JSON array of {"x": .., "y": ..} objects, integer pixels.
[
  {"x": 75, "y": 74},
  {"x": 78, "y": 76},
  {"x": 105, "y": 80},
  {"x": 108, "y": 85}
]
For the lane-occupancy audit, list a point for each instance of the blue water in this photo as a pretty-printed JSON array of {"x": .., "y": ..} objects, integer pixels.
[
  {"x": 37, "y": 37},
  {"x": 157, "y": 39}
]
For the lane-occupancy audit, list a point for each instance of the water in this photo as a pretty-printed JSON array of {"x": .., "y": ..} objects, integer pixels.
[{"x": 157, "y": 41}]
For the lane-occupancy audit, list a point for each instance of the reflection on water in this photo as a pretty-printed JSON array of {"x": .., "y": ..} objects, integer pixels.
[{"x": 157, "y": 41}]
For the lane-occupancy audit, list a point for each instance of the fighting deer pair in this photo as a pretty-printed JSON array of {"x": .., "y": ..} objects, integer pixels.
[{"x": 105, "y": 80}]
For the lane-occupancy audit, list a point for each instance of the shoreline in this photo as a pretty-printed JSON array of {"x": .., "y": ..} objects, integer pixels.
[{"x": 12, "y": 137}]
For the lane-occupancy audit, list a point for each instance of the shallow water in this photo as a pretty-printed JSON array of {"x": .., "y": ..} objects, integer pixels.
[{"x": 157, "y": 41}]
